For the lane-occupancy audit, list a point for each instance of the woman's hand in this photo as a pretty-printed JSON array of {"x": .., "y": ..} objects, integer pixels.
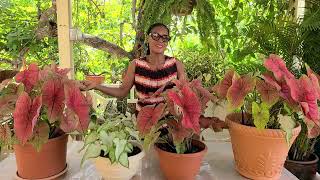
[{"x": 88, "y": 85}]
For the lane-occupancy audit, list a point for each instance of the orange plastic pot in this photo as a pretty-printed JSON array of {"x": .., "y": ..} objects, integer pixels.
[
  {"x": 48, "y": 162},
  {"x": 96, "y": 79},
  {"x": 181, "y": 166},
  {"x": 258, "y": 154}
]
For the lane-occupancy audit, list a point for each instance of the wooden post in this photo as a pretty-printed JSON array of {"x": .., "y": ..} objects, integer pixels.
[
  {"x": 64, "y": 20},
  {"x": 298, "y": 7}
]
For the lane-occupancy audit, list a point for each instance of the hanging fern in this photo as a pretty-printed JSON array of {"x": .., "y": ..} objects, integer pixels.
[
  {"x": 207, "y": 26},
  {"x": 156, "y": 11}
]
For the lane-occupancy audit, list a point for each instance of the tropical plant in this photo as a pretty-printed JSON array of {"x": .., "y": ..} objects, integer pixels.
[
  {"x": 274, "y": 99},
  {"x": 180, "y": 116},
  {"x": 112, "y": 139},
  {"x": 38, "y": 105}
]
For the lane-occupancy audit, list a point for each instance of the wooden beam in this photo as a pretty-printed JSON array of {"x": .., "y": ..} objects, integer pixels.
[{"x": 64, "y": 21}]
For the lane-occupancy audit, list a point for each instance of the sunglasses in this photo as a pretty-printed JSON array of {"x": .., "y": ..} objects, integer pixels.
[{"x": 156, "y": 37}]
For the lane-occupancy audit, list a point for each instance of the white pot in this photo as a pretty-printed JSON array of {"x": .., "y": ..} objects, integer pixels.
[{"x": 116, "y": 171}]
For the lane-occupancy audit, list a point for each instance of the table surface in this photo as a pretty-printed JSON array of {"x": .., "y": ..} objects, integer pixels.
[{"x": 218, "y": 164}]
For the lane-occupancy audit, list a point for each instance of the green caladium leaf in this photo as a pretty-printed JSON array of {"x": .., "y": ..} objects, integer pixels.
[
  {"x": 120, "y": 146},
  {"x": 260, "y": 115},
  {"x": 133, "y": 133},
  {"x": 105, "y": 149},
  {"x": 150, "y": 139},
  {"x": 112, "y": 155},
  {"x": 129, "y": 148},
  {"x": 106, "y": 139},
  {"x": 123, "y": 159},
  {"x": 287, "y": 124},
  {"x": 92, "y": 151}
]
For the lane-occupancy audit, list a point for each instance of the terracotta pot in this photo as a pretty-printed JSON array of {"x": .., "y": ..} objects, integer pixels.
[
  {"x": 51, "y": 159},
  {"x": 258, "y": 154},
  {"x": 116, "y": 171},
  {"x": 96, "y": 79},
  {"x": 305, "y": 170},
  {"x": 181, "y": 166}
]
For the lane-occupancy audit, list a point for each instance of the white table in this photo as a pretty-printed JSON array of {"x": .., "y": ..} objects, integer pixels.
[{"x": 218, "y": 164}]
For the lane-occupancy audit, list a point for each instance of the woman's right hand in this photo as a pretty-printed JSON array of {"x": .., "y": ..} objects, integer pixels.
[{"x": 88, "y": 85}]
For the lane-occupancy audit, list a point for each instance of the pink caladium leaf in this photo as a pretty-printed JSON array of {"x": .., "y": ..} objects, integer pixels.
[
  {"x": 29, "y": 77},
  {"x": 276, "y": 65},
  {"x": 269, "y": 94},
  {"x": 53, "y": 98},
  {"x": 53, "y": 70},
  {"x": 204, "y": 94},
  {"x": 69, "y": 122},
  {"x": 241, "y": 86},
  {"x": 149, "y": 116},
  {"x": 77, "y": 103},
  {"x": 303, "y": 92},
  {"x": 5, "y": 134},
  {"x": 222, "y": 87},
  {"x": 270, "y": 79},
  {"x": 179, "y": 133},
  {"x": 188, "y": 101},
  {"x": 25, "y": 116},
  {"x": 315, "y": 79},
  {"x": 313, "y": 129}
]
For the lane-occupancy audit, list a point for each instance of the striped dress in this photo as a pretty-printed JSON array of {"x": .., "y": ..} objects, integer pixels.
[{"x": 148, "y": 81}]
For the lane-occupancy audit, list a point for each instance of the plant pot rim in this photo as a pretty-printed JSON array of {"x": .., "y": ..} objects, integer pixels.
[
  {"x": 196, "y": 154},
  {"x": 305, "y": 162},
  {"x": 95, "y": 75},
  {"x": 233, "y": 122}
]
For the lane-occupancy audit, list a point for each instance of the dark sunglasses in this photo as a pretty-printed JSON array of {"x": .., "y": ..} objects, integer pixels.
[{"x": 155, "y": 36}]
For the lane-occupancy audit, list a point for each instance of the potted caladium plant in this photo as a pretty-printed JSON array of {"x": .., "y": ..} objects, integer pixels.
[
  {"x": 114, "y": 147},
  {"x": 37, "y": 109},
  {"x": 265, "y": 125},
  {"x": 302, "y": 160},
  {"x": 173, "y": 127}
]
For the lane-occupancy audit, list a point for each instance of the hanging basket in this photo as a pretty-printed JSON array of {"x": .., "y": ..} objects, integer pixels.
[{"x": 183, "y": 7}]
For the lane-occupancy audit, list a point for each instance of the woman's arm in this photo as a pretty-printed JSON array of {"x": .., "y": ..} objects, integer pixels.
[
  {"x": 181, "y": 71},
  {"x": 121, "y": 91}
]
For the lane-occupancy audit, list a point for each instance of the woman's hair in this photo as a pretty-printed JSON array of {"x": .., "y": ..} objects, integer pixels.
[{"x": 150, "y": 29}]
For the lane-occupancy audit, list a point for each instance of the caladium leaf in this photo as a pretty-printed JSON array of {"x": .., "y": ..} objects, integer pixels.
[
  {"x": 40, "y": 135},
  {"x": 276, "y": 65},
  {"x": 287, "y": 124},
  {"x": 148, "y": 117},
  {"x": 314, "y": 80},
  {"x": 260, "y": 113},
  {"x": 92, "y": 151},
  {"x": 190, "y": 105},
  {"x": 222, "y": 87},
  {"x": 5, "y": 134},
  {"x": 78, "y": 104},
  {"x": 179, "y": 133},
  {"x": 53, "y": 98},
  {"x": 25, "y": 116},
  {"x": 303, "y": 92},
  {"x": 123, "y": 160},
  {"x": 313, "y": 129},
  {"x": 7, "y": 103},
  {"x": 269, "y": 94},
  {"x": 204, "y": 95},
  {"x": 241, "y": 86},
  {"x": 28, "y": 77},
  {"x": 270, "y": 79},
  {"x": 120, "y": 147}
]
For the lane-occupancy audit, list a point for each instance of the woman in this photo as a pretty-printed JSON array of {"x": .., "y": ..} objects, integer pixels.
[{"x": 149, "y": 73}]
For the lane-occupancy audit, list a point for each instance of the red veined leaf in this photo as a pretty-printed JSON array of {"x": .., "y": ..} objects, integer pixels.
[
  {"x": 190, "y": 105},
  {"x": 54, "y": 70},
  {"x": 7, "y": 104},
  {"x": 315, "y": 79},
  {"x": 28, "y": 77},
  {"x": 269, "y": 94},
  {"x": 276, "y": 65},
  {"x": 313, "y": 128},
  {"x": 77, "y": 102},
  {"x": 222, "y": 87},
  {"x": 179, "y": 133},
  {"x": 241, "y": 86},
  {"x": 148, "y": 117},
  {"x": 270, "y": 79},
  {"x": 25, "y": 116},
  {"x": 5, "y": 133},
  {"x": 212, "y": 122},
  {"x": 69, "y": 122},
  {"x": 303, "y": 92},
  {"x": 53, "y": 98},
  {"x": 204, "y": 94}
]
